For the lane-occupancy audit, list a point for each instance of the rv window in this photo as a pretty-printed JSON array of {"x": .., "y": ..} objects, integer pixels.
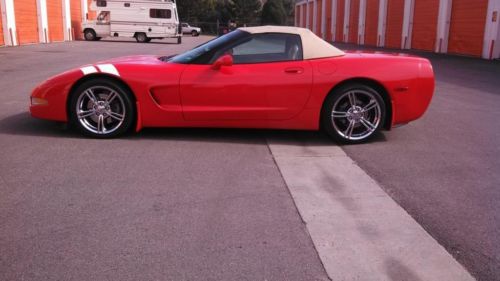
[
  {"x": 160, "y": 13},
  {"x": 101, "y": 3}
]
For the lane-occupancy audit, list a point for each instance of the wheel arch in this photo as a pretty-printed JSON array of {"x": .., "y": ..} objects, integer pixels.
[
  {"x": 375, "y": 85},
  {"x": 107, "y": 77}
]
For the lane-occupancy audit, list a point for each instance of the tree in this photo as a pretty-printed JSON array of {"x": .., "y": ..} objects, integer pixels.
[
  {"x": 274, "y": 12},
  {"x": 196, "y": 10},
  {"x": 247, "y": 11}
]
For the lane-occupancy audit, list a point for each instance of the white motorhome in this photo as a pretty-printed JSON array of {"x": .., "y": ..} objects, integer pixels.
[{"x": 141, "y": 19}]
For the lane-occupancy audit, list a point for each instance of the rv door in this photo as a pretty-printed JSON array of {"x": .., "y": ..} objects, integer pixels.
[{"x": 163, "y": 18}]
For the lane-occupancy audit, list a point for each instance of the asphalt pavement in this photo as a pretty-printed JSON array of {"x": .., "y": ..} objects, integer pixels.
[
  {"x": 444, "y": 168},
  {"x": 210, "y": 204},
  {"x": 165, "y": 204}
]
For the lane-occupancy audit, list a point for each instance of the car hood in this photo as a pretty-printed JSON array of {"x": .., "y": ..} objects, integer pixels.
[{"x": 141, "y": 59}]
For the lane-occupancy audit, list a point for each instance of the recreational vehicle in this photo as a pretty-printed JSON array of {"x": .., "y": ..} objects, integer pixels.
[{"x": 141, "y": 19}]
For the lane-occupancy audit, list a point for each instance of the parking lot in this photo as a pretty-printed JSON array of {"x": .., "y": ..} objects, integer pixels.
[{"x": 212, "y": 204}]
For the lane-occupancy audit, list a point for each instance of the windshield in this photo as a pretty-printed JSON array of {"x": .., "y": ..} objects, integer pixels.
[{"x": 203, "y": 53}]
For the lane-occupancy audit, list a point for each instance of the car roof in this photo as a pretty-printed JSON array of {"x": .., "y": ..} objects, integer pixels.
[{"x": 313, "y": 46}]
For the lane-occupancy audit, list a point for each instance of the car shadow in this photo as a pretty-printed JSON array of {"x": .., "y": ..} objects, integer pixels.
[{"x": 22, "y": 124}]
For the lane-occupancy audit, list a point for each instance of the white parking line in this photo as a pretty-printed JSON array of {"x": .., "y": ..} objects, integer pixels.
[{"x": 360, "y": 233}]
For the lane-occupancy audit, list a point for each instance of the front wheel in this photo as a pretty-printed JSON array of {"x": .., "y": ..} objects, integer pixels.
[
  {"x": 194, "y": 33},
  {"x": 353, "y": 113},
  {"x": 141, "y": 37},
  {"x": 89, "y": 35},
  {"x": 101, "y": 108}
]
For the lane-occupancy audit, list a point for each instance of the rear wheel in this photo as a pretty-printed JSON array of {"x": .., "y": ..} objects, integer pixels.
[
  {"x": 141, "y": 37},
  {"x": 353, "y": 113},
  {"x": 194, "y": 33},
  {"x": 101, "y": 108},
  {"x": 89, "y": 35}
]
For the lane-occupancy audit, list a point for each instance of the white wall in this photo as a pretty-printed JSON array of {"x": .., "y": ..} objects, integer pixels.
[
  {"x": 491, "y": 42},
  {"x": 43, "y": 30},
  {"x": 9, "y": 22},
  {"x": 382, "y": 23}
]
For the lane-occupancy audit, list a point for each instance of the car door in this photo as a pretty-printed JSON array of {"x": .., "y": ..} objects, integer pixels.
[{"x": 269, "y": 80}]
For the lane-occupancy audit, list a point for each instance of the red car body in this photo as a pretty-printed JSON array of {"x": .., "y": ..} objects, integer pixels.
[{"x": 283, "y": 95}]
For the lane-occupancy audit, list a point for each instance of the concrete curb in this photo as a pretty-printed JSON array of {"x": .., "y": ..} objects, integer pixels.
[{"x": 360, "y": 233}]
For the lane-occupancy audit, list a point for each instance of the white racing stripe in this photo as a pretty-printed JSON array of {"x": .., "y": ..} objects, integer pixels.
[
  {"x": 88, "y": 70},
  {"x": 108, "y": 68}
]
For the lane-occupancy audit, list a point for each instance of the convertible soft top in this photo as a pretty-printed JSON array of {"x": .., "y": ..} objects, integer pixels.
[{"x": 313, "y": 46}]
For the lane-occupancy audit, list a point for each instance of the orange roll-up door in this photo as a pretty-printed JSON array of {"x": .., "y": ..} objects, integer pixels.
[
  {"x": 311, "y": 15},
  {"x": 328, "y": 29},
  {"x": 371, "y": 22},
  {"x": 55, "y": 19},
  {"x": 26, "y": 21},
  {"x": 468, "y": 20},
  {"x": 395, "y": 14},
  {"x": 1, "y": 28},
  {"x": 304, "y": 15},
  {"x": 339, "y": 35},
  {"x": 76, "y": 18},
  {"x": 425, "y": 19},
  {"x": 319, "y": 17},
  {"x": 91, "y": 15},
  {"x": 353, "y": 21}
]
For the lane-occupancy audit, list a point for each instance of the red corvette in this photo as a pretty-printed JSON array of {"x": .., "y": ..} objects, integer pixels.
[{"x": 259, "y": 77}]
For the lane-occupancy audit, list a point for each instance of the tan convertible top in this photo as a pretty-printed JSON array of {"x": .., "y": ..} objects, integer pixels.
[{"x": 314, "y": 47}]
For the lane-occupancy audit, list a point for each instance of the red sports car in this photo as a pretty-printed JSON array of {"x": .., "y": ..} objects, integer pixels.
[{"x": 258, "y": 77}]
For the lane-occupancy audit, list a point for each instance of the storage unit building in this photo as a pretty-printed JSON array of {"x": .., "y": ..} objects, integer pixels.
[
  {"x": 425, "y": 20},
  {"x": 328, "y": 20},
  {"x": 462, "y": 27},
  {"x": 76, "y": 18},
  {"x": 55, "y": 19},
  {"x": 26, "y": 21},
  {"x": 1, "y": 28},
  {"x": 353, "y": 21},
  {"x": 339, "y": 32},
  {"x": 319, "y": 18},
  {"x": 304, "y": 15},
  {"x": 394, "y": 23},
  {"x": 467, "y": 25},
  {"x": 310, "y": 8},
  {"x": 371, "y": 23}
]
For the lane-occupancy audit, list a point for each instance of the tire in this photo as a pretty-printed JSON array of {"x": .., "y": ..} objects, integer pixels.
[
  {"x": 141, "y": 37},
  {"x": 89, "y": 35},
  {"x": 101, "y": 108},
  {"x": 194, "y": 33},
  {"x": 149, "y": 40},
  {"x": 353, "y": 114}
]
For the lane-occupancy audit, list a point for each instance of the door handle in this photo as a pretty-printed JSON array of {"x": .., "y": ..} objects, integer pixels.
[{"x": 294, "y": 70}]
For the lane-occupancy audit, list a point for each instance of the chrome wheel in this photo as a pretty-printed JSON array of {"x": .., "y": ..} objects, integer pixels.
[
  {"x": 100, "y": 110},
  {"x": 356, "y": 114}
]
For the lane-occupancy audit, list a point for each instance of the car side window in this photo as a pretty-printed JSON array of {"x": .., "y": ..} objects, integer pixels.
[{"x": 268, "y": 47}]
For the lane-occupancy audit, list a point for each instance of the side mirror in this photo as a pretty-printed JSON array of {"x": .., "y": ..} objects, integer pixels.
[{"x": 225, "y": 60}]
